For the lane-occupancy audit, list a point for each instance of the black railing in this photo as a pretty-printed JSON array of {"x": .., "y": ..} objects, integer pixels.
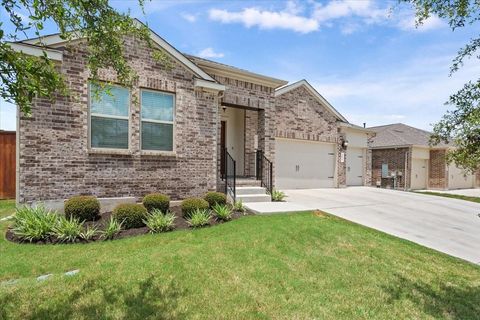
[
  {"x": 264, "y": 171},
  {"x": 229, "y": 176}
]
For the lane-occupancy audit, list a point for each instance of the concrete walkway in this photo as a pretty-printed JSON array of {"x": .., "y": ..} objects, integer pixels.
[
  {"x": 462, "y": 192},
  {"x": 448, "y": 225}
]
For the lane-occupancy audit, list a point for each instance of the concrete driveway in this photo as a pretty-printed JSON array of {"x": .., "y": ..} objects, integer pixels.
[{"x": 448, "y": 225}]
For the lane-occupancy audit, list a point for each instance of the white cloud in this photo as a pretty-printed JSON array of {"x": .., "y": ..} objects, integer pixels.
[
  {"x": 189, "y": 17},
  {"x": 8, "y": 115},
  {"x": 348, "y": 8},
  {"x": 408, "y": 23},
  {"x": 287, "y": 19},
  {"x": 210, "y": 53}
]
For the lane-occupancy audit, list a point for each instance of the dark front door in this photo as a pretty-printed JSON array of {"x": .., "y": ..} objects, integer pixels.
[{"x": 223, "y": 145}]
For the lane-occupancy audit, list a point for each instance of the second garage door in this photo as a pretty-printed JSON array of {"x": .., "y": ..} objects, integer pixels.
[
  {"x": 419, "y": 174},
  {"x": 354, "y": 166},
  {"x": 304, "y": 165}
]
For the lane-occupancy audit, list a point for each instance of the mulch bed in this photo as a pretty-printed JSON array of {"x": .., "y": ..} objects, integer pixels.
[{"x": 100, "y": 224}]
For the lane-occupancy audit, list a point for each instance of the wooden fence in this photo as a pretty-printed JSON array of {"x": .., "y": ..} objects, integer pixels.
[{"x": 7, "y": 164}]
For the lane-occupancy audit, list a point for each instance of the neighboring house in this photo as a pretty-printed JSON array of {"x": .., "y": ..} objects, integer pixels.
[
  {"x": 402, "y": 158},
  {"x": 176, "y": 130}
]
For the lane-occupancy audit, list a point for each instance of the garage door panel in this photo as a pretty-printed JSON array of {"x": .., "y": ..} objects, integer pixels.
[
  {"x": 300, "y": 164},
  {"x": 459, "y": 179},
  {"x": 419, "y": 174}
]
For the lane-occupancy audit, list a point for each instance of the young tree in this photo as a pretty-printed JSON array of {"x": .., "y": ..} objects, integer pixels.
[
  {"x": 461, "y": 125},
  {"x": 23, "y": 77}
]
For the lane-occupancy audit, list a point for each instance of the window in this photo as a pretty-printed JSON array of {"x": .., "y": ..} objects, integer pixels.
[
  {"x": 109, "y": 117},
  {"x": 157, "y": 120}
]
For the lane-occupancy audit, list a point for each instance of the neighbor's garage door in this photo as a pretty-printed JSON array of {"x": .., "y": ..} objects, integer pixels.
[
  {"x": 304, "y": 165},
  {"x": 458, "y": 178},
  {"x": 354, "y": 166},
  {"x": 419, "y": 174}
]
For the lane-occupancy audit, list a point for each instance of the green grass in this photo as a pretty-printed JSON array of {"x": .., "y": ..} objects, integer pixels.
[
  {"x": 7, "y": 207},
  {"x": 292, "y": 266},
  {"x": 449, "y": 195}
]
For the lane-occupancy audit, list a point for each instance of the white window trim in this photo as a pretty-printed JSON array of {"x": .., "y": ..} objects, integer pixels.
[
  {"x": 99, "y": 115},
  {"x": 173, "y": 123}
]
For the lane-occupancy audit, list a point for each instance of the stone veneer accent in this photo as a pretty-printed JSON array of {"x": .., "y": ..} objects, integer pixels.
[
  {"x": 437, "y": 170},
  {"x": 395, "y": 158},
  {"x": 56, "y": 162},
  {"x": 299, "y": 115}
]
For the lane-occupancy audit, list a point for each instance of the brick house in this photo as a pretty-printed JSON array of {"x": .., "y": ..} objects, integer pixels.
[
  {"x": 169, "y": 132},
  {"x": 402, "y": 158}
]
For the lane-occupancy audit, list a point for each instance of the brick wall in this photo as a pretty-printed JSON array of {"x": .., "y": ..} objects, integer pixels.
[
  {"x": 396, "y": 159},
  {"x": 56, "y": 163},
  {"x": 437, "y": 170}
]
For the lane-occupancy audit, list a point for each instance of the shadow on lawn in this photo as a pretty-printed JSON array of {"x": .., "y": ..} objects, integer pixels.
[
  {"x": 439, "y": 300},
  {"x": 97, "y": 299}
]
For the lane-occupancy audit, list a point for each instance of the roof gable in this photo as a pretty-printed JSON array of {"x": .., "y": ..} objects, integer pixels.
[
  {"x": 55, "y": 40},
  {"x": 304, "y": 83},
  {"x": 399, "y": 134}
]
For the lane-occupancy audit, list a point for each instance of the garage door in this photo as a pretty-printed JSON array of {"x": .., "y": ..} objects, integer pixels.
[
  {"x": 458, "y": 178},
  {"x": 419, "y": 174},
  {"x": 304, "y": 165},
  {"x": 354, "y": 166}
]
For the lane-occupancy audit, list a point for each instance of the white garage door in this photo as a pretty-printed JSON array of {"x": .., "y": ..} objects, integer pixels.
[
  {"x": 304, "y": 165},
  {"x": 458, "y": 178},
  {"x": 419, "y": 174},
  {"x": 354, "y": 166}
]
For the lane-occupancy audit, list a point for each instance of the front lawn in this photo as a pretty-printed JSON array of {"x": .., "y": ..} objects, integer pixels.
[
  {"x": 450, "y": 195},
  {"x": 293, "y": 266},
  {"x": 7, "y": 207}
]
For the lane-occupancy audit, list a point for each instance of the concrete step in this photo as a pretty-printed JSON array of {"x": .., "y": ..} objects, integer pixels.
[
  {"x": 248, "y": 182},
  {"x": 246, "y": 198},
  {"x": 250, "y": 190}
]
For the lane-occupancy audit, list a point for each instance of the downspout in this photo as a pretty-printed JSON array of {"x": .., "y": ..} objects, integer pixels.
[
  {"x": 17, "y": 159},
  {"x": 405, "y": 172}
]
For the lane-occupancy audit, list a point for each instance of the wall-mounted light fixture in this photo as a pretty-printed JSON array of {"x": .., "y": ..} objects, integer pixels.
[
  {"x": 224, "y": 108},
  {"x": 344, "y": 144}
]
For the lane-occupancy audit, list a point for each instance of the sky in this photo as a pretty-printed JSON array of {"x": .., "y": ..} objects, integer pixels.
[{"x": 366, "y": 57}]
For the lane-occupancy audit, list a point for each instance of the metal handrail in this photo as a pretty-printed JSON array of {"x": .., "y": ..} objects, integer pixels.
[
  {"x": 229, "y": 174},
  {"x": 264, "y": 171}
]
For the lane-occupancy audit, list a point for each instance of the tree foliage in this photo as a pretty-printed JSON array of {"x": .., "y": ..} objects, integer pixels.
[
  {"x": 23, "y": 77},
  {"x": 461, "y": 126}
]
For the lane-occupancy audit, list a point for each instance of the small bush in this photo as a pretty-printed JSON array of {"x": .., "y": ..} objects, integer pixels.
[
  {"x": 199, "y": 218},
  {"x": 156, "y": 201},
  {"x": 112, "y": 229},
  {"x": 67, "y": 229},
  {"x": 222, "y": 212},
  {"x": 131, "y": 215},
  {"x": 83, "y": 208},
  {"x": 191, "y": 204},
  {"x": 34, "y": 223},
  {"x": 158, "y": 222},
  {"x": 215, "y": 198},
  {"x": 238, "y": 206},
  {"x": 88, "y": 233},
  {"x": 278, "y": 195}
]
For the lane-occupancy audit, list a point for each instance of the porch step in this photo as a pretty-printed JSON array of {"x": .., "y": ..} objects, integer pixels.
[
  {"x": 246, "y": 182},
  {"x": 250, "y": 190},
  {"x": 246, "y": 198}
]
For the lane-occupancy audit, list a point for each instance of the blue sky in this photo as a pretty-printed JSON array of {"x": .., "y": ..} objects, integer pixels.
[{"x": 365, "y": 57}]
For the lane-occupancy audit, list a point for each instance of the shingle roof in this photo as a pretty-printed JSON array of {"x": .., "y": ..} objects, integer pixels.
[{"x": 399, "y": 134}]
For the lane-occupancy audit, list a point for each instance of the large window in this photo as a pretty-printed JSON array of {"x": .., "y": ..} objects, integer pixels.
[
  {"x": 158, "y": 111},
  {"x": 109, "y": 108}
]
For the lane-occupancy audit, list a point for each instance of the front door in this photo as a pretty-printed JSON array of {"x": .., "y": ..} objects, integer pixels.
[{"x": 223, "y": 145}]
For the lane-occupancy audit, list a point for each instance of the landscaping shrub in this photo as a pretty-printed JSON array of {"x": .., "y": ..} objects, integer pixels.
[
  {"x": 131, "y": 215},
  {"x": 278, "y": 195},
  {"x": 34, "y": 223},
  {"x": 238, "y": 206},
  {"x": 156, "y": 201},
  {"x": 67, "y": 229},
  {"x": 199, "y": 218},
  {"x": 215, "y": 197},
  {"x": 84, "y": 208},
  {"x": 223, "y": 212},
  {"x": 88, "y": 233},
  {"x": 112, "y": 229},
  {"x": 157, "y": 221},
  {"x": 191, "y": 204}
]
